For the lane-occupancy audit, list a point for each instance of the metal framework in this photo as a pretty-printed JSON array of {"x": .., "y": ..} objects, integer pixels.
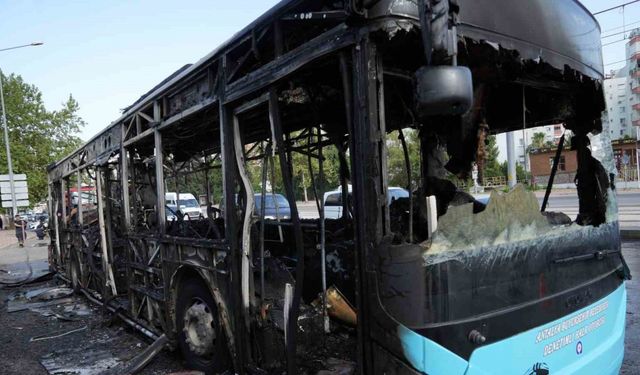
[{"x": 306, "y": 76}]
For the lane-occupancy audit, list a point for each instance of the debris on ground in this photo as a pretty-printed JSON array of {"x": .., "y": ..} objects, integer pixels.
[
  {"x": 57, "y": 335},
  {"x": 62, "y": 333},
  {"x": 24, "y": 273},
  {"x": 146, "y": 356},
  {"x": 335, "y": 366},
  {"x": 50, "y": 301}
]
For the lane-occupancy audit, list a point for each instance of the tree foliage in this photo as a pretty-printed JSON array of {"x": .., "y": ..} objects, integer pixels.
[
  {"x": 37, "y": 136},
  {"x": 302, "y": 176},
  {"x": 396, "y": 165},
  {"x": 396, "y": 168},
  {"x": 492, "y": 167},
  {"x": 521, "y": 174},
  {"x": 537, "y": 140}
]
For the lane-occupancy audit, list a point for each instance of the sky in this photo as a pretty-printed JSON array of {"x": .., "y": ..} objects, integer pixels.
[
  {"x": 614, "y": 26},
  {"x": 611, "y": 23},
  {"x": 108, "y": 53}
]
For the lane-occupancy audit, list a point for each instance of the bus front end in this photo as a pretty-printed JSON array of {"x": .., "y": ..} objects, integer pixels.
[{"x": 500, "y": 286}]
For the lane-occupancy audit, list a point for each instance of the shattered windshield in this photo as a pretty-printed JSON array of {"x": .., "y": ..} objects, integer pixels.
[{"x": 502, "y": 250}]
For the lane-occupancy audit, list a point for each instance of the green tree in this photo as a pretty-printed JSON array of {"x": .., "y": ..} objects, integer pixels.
[
  {"x": 521, "y": 174},
  {"x": 302, "y": 175},
  {"x": 37, "y": 136},
  {"x": 537, "y": 141},
  {"x": 396, "y": 164},
  {"x": 492, "y": 166}
]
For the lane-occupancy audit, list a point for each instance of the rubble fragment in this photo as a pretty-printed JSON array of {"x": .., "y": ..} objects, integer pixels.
[
  {"x": 339, "y": 307},
  {"x": 337, "y": 366},
  {"x": 57, "y": 335}
]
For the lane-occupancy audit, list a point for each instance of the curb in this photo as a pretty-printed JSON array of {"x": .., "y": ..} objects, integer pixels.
[{"x": 630, "y": 234}]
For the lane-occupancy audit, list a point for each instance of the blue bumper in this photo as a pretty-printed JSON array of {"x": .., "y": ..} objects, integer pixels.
[{"x": 588, "y": 341}]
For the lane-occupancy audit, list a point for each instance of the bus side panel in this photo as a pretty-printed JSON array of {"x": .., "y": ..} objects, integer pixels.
[{"x": 589, "y": 341}]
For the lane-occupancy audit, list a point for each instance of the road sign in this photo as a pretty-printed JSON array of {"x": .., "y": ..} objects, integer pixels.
[
  {"x": 19, "y": 196},
  {"x": 19, "y": 187},
  {"x": 21, "y": 203},
  {"x": 16, "y": 177},
  {"x": 7, "y": 185},
  {"x": 22, "y": 189}
]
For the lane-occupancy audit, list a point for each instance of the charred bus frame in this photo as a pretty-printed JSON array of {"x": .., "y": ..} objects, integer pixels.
[{"x": 340, "y": 74}]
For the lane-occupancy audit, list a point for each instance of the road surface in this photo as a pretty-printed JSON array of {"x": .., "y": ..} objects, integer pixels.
[
  {"x": 110, "y": 339},
  {"x": 628, "y": 207}
]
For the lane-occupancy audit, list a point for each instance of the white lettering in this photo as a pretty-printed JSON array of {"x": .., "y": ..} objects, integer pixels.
[{"x": 567, "y": 324}]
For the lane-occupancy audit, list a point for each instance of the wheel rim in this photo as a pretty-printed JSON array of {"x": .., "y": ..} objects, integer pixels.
[{"x": 199, "y": 330}]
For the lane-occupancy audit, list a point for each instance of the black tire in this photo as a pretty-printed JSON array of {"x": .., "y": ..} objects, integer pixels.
[
  {"x": 74, "y": 275},
  {"x": 193, "y": 291}
]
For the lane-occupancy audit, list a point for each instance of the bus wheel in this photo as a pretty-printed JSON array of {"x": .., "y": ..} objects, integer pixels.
[{"x": 200, "y": 335}]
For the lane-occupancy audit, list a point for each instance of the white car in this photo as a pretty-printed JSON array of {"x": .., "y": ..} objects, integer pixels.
[
  {"x": 333, "y": 200},
  {"x": 188, "y": 205}
]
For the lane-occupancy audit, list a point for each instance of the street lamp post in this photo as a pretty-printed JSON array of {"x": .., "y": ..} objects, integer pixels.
[
  {"x": 6, "y": 143},
  {"x": 14, "y": 204}
]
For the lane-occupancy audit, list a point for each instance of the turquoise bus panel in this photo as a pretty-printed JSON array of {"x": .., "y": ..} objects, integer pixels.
[
  {"x": 429, "y": 357},
  {"x": 589, "y": 341}
]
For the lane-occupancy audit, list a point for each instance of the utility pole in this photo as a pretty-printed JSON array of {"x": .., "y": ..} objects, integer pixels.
[
  {"x": 511, "y": 160},
  {"x": 14, "y": 205}
]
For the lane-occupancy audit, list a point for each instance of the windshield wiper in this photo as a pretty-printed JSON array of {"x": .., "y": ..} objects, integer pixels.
[{"x": 599, "y": 255}]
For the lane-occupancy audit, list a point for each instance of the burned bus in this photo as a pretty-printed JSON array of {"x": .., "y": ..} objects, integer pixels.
[{"x": 433, "y": 282}]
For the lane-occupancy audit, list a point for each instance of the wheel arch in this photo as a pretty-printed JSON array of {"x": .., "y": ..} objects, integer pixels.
[{"x": 191, "y": 270}]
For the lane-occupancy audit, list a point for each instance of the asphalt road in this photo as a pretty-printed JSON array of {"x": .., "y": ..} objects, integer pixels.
[
  {"x": 628, "y": 207},
  {"x": 20, "y": 355},
  {"x": 625, "y": 200}
]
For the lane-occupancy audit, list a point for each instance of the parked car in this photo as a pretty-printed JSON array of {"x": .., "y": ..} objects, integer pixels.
[
  {"x": 333, "y": 200},
  {"x": 283, "y": 207},
  {"x": 188, "y": 205}
]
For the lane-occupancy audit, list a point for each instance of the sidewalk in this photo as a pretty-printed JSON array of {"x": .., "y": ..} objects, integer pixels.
[
  {"x": 17, "y": 262},
  {"x": 8, "y": 238}
]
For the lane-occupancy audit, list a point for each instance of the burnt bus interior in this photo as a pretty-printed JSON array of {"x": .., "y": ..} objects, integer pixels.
[{"x": 233, "y": 288}]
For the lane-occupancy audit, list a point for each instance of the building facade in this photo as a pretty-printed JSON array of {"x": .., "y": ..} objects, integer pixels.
[
  {"x": 524, "y": 139},
  {"x": 621, "y": 108},
  {"x": 622, "y": 93},
  {"x": 625, "y": 157}
]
